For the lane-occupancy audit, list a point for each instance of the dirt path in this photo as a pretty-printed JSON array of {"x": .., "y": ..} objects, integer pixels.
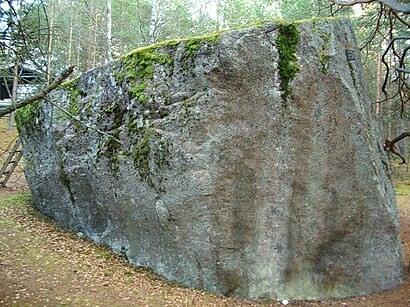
[{"x": 43, "y": 265}]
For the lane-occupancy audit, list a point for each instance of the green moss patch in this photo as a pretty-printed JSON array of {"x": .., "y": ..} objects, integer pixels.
[
  {"x": 27, "y": 116},
  {"x": 193, "y": 44},
  {"x": 73, "y": 90},
  {"x": 111, "y": 150},
  {"x": 71, "y": 84},
  {"x": 324, "y": 52},
  {"x": 73, "y": 93},
  {"x": 286, "y": 42},
  {"x": 117, "y": 111},
  {"x": 324, "y": 56},
  {"x": 148, "y": 145},
  {"x": 324, "y": 60},
  {"x": 137, "y": 68}
]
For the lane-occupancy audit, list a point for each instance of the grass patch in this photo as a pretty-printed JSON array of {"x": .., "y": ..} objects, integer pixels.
[
  {"x": 402, "y": 191},
  {"x": 401, "y": 180},
  {"x": 14, "y": 200},
  {"x": 402, "y": 188}
]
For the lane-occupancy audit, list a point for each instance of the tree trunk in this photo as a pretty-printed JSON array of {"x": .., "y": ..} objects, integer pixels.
[
  {"x": 109, "y": 34},
  {"x": 90, "y": 39},
  {"x": 121, "y": 36},
  {"x": 50, "y": 41},
  {"x": 389, "y": 118},
  {"x": 390, "y": 113},
  {"x": 379, "y": 81},
  {"x": 95, "y": 51},
  {"x": 70, "y": 43},
  {"x": 153, "y": 22},
  {"x": 14, "y": 95},
  {"x": 220, "y": 9},
  {"x": 78, "y": 55}
]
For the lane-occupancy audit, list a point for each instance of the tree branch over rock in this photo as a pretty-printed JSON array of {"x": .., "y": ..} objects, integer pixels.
[
  {"x": 40, "y": 95},
  {"x": 391, "y": 16},
  {"x": 394, "y": 5},
  {"x": 391, "y": 146}
]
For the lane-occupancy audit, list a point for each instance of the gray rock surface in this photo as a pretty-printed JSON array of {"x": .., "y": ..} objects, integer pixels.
[{"x": 231, "y": 173}]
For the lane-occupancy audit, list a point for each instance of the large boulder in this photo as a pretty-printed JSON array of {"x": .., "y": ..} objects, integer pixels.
[{"x": 245, "y": 163}]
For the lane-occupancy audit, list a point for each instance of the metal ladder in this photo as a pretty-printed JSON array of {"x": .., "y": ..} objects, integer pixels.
[{"x": 10, "y": 163}]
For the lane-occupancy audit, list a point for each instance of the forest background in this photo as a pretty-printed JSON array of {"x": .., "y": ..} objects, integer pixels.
[{"x": 50, "y": 35}]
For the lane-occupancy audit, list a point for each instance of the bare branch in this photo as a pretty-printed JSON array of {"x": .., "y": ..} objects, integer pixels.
[
  {"x": 385, "y": 62},
  {"x": 376, "y": 29},
  {"x": 403, "y": 56},
  {"x": 393, "y": 4},
  {"x": 392, "y": 147},
  {"x": 387, "y": 98},
  {"x": 401, "y": 19},
  {"x": 40, "y": 95},
  {"x": 406, "y": 71}
]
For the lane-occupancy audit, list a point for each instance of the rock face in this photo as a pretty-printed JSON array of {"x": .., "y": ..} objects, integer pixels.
[{"x": 244, "y": 163}]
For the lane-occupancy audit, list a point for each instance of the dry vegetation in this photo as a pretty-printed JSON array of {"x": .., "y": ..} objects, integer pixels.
[{"x": 42, "y": 264}]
